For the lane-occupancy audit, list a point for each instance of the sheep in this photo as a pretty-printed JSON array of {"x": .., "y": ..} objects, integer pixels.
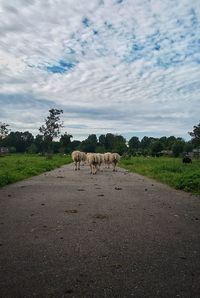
[
  {"x": 100, "y": 160},
  {"x": 115, "y": 157},
  {"x": 83, "y": 157},
  {"x": 76, "y": 156},
  {"x": 107, "y": 159},
  {"x": 187, "y": 159},
  {"x": 92, "y": 159}
]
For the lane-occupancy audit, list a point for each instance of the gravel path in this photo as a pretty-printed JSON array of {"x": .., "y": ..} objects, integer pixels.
[{"x": 72, "y": 234}]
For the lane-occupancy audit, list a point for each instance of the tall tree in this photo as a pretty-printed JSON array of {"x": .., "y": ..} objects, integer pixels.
[
  {"x": 109, "y": 141},
  {"x": 134, "y": 143},
  {"x": 102, "y": 140},
  {"x": 51, "y": 128},
  {"x": 119, "y": 145},
  {"x": 195, "y": 134},
  {"x": 4, "y": 130}
]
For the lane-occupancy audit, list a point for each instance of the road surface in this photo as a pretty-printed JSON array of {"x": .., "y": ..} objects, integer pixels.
[{"x": 72, "y": 234}]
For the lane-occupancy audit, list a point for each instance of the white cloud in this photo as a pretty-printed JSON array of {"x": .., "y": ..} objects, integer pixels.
[{"x": 132, "y": 67}]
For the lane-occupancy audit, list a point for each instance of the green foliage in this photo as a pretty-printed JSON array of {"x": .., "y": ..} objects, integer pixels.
[
  {"x": 32, "y": 149},
  {"x": 134, "y": 143},
  {"x": 89, "y": 144},
  {"x": 65, "y": 143},
  {"x": 195, "y": 134},
  {"x": 4, "y": 130},
  {"x": 167, "y": 170},
  {"x": 156, "y": 148},
  {"x": 178, "y": 147},
  {"x": 188, "y": 147},
  {"x": 17, "y": 167},
  {"x": 75, "y": 145},
  {"x": 51, "y": 128},
  {"x": 39, "y": 143},
  {"x": 20, "y": 140}
]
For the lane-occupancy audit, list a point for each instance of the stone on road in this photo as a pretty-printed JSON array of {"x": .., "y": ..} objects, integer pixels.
[{"x": 72, "y": 234}]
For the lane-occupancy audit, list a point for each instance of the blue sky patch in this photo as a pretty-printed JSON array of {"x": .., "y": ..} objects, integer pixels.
[
  {"x": 61, "y": 67},
  {"x": 86, "y": 22}
]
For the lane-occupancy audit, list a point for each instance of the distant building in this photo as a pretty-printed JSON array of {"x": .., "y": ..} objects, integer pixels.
[
  {"x": 166, "y": 152},
  {"x": 196, "y": 153},
  {"x": 4, "y": 150}
]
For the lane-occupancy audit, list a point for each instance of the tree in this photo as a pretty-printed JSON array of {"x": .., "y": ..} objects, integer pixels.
[
  {"x": 90, "y": 144},
  {"x": 39, "y": 142},
  {"x": 156, "y": 148},
  {"x": 188, "y": 147},
  {"x": 3, "y": 130},
  {"x": 195, "y": 134},
  {"x": 102, "y": 140},
  {"x": 145, "y": 145},
  {"x": 75, "y": 145},
  {"x": 133, "y": 144},
  {"x": 32, "y": 149},
  {"x": 65, "y": 142},
  {"x": 145, "y": 142},
  {"x": 119, "y": 144},
  {"x": 109, "y": 141},
  {"x": 178, "y": 147},
  {"x": 20, "y": 140},
  {"x": 55, "y": 147},
  {"x": 170, "y": 141},
  {"x": 51, "y": 128}
]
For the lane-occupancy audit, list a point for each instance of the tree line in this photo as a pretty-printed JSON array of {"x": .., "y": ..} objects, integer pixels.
[{"x": 45, "y": 141}]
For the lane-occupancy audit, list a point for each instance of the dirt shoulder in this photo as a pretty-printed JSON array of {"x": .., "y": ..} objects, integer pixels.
[{"x": 72, "y": 234}]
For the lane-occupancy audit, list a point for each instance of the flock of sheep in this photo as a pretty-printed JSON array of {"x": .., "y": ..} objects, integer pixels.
[{"x": 95, "y": 160}]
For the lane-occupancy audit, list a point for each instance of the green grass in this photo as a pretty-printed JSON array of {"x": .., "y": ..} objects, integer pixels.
[
  {"x": 167, "y": 170},
  {"x": 17, "y": 167}
]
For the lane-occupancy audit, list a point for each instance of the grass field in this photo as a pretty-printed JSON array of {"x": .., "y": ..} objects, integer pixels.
[
  {"x": 167, "y": 170},
  {"x": 17, "y": 167}
]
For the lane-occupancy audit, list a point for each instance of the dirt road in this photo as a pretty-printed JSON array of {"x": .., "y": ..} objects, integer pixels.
[{"x": 70, "y": 234}]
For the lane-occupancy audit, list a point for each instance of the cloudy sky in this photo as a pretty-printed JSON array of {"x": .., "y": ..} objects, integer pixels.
[{"x": 129, "y": 67}]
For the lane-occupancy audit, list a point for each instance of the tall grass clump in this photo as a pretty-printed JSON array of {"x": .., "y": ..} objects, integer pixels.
[{"x": 167, "y": 170}]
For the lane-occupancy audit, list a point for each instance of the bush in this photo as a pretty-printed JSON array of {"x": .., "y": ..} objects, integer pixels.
[{"x": 32, "y": 149}]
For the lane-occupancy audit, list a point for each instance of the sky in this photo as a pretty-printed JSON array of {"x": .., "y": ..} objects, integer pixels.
[{"x": 129, "y": 67}]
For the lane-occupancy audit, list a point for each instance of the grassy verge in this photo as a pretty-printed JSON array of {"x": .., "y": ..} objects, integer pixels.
[
  {"x": 17, "y": 167},
  {"x": 167, "y": 170}
]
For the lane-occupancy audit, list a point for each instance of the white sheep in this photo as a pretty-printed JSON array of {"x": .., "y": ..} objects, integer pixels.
[
  {"x": 76, "y": 156},
  {"x": 92, "y": 160},
  {"x": 100, "y": 160},
  {"x": 115, "y": 158},
  {"x": 107, "y": 159},
  {"x": 83, "y": 157}
]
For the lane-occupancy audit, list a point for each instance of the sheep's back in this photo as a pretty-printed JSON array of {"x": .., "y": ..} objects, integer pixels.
[{"x": 76, "y": 156}]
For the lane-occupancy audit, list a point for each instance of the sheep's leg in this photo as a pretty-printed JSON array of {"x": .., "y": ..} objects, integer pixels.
[
  {"x": 95, "y": 169},
  {"x": 78, "y": 165},
  {"x": 75, "y": 166},
  {"x": 90, "y": 169},
  {"x": 114, "y": 166}
]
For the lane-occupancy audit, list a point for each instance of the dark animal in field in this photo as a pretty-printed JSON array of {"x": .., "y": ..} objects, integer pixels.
[{"x": 187, "y": 159}]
